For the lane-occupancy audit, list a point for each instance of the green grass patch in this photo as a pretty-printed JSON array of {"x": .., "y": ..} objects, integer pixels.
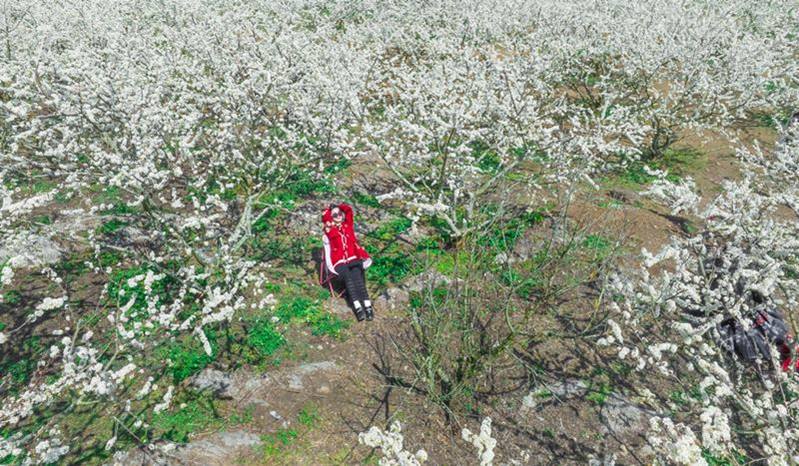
[
  {"x": 264, "y": 337},
  {"x": 430, "y": 245},
  {"x": 188, "y": 357},
  {"x": 329, "y": 325},
  {"x": 487, "y": 160},
  {"x": 42, "y": 186},
  {"x": 338, "y": 166},
  {"x": 274, "y": 444},
  {"x": 109, "y": 258},
  {"x": 73, "y": 266},
  {"x": 112, "y": 226},
  {"x": 309, "y": 311},
  {"x": 610, "y": 204},
  {"x": 391, "y": 262},
  {"x": 43, "y": 220},
  {"x": 113, "y": 195},
  {"x": 679, "y": 163},
  {"x": 198, "y": 414},
  {"x": 389, "y": 231},
  {"x": 446, "y": 262},
  {"x": 599, "y": 395},
  {"x": 21, "y": 365},
  {"x": 713, "y": 460},
  {"x": 308, "y": 416},
  {"x": 296, "y": 308},
  {"x": 284, "y": 445},
  {"x": 683, "y": 397},
  {"x": 597, "y": 243},
  {"x": 12, "y": 297},
  {"x": 502, "y": 236},
  {"x": 365, "y": 199},
  {"x": 391, "y": 265}
]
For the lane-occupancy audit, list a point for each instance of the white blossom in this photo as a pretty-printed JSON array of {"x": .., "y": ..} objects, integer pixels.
[{"x": 483, "y": 442}]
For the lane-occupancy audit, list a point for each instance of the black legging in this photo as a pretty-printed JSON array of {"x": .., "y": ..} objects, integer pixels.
[{"x": 353, "y": 275}]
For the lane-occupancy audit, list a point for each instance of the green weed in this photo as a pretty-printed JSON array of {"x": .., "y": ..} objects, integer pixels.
[
  {"x": 43, "y": 220},
  {"x": 12, "y": 297},
  {"x": 197, "y": 415},
  {"x": 597, "y": 243},
  {"x": 308, "y": 416},
  {"x": 111, "y": 226},
  {"x": 75, "y": 266},
  {"x": 599, "y": 396},
  {"x": 391, "y": 265},
  {"x": 296, "y": 308},
  {"x": 303, "y": 309},
  {"x": 264, "y": 337},
  {"x": 188, "y": 357},
  {"x": 330, "y": 325},
  {"x": 713, "y": 460},
  {"x": 274, "y": 444},
  {"x": 365, "y": 199},
  {"x": 389, "y": 231}
]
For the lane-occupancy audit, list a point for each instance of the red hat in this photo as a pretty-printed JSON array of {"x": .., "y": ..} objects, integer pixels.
[{"x": 327, "y": 216}]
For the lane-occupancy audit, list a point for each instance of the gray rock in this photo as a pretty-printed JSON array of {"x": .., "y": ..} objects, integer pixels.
[
  {"x": 323, "y": 390},
  {"x": 392, "y": 298},
  {"x": 217, "y": 449},
  {"x": 568, "y": 388},
  {"x": 215, "y": 381},
  {"x": 245, "y": 386},
  {"x": 75, "y": 222},
  {"x": 339, "y": 306},
  {"x": 296, "y": 377},
  {"x": 425, "y": 279},
  {"x": 134, "y": 235},
  {"x": 160, "y": 455},
  {"x": 31, "y": 251},
  {"x": 621, "y": 417}
]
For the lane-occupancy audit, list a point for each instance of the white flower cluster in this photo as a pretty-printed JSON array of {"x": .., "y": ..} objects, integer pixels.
[
  {"x": 394, "y": 454},
  {"x": 390, "y": 443},
  {"x": 483, "y": 442},
  {"x": 48, "y": 451},
  {"x": 680, "y": 196},
  {"x": 6, "y": 275},
  {"x": 678, "y": 442},
  {"x": 166, "y": 401}
]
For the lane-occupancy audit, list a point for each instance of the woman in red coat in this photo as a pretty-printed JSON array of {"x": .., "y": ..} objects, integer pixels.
[{"x": 346, "y": 258}]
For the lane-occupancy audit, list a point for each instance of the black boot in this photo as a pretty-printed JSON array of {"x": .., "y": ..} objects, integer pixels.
[
  {"x": 360, "y": 314},
  {"x": 370, "y": 313}
]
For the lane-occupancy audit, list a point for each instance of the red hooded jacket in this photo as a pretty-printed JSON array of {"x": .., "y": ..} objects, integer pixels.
[{"x": 341, "y": 245}]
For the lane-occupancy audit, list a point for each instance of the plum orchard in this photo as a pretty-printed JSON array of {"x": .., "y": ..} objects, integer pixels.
[{"x": 196, "y": 113}]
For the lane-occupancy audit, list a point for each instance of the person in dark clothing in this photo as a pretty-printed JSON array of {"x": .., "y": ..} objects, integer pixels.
[
  {"x": 768, "y": 329},
  {"x": 346, "y": 258}
]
